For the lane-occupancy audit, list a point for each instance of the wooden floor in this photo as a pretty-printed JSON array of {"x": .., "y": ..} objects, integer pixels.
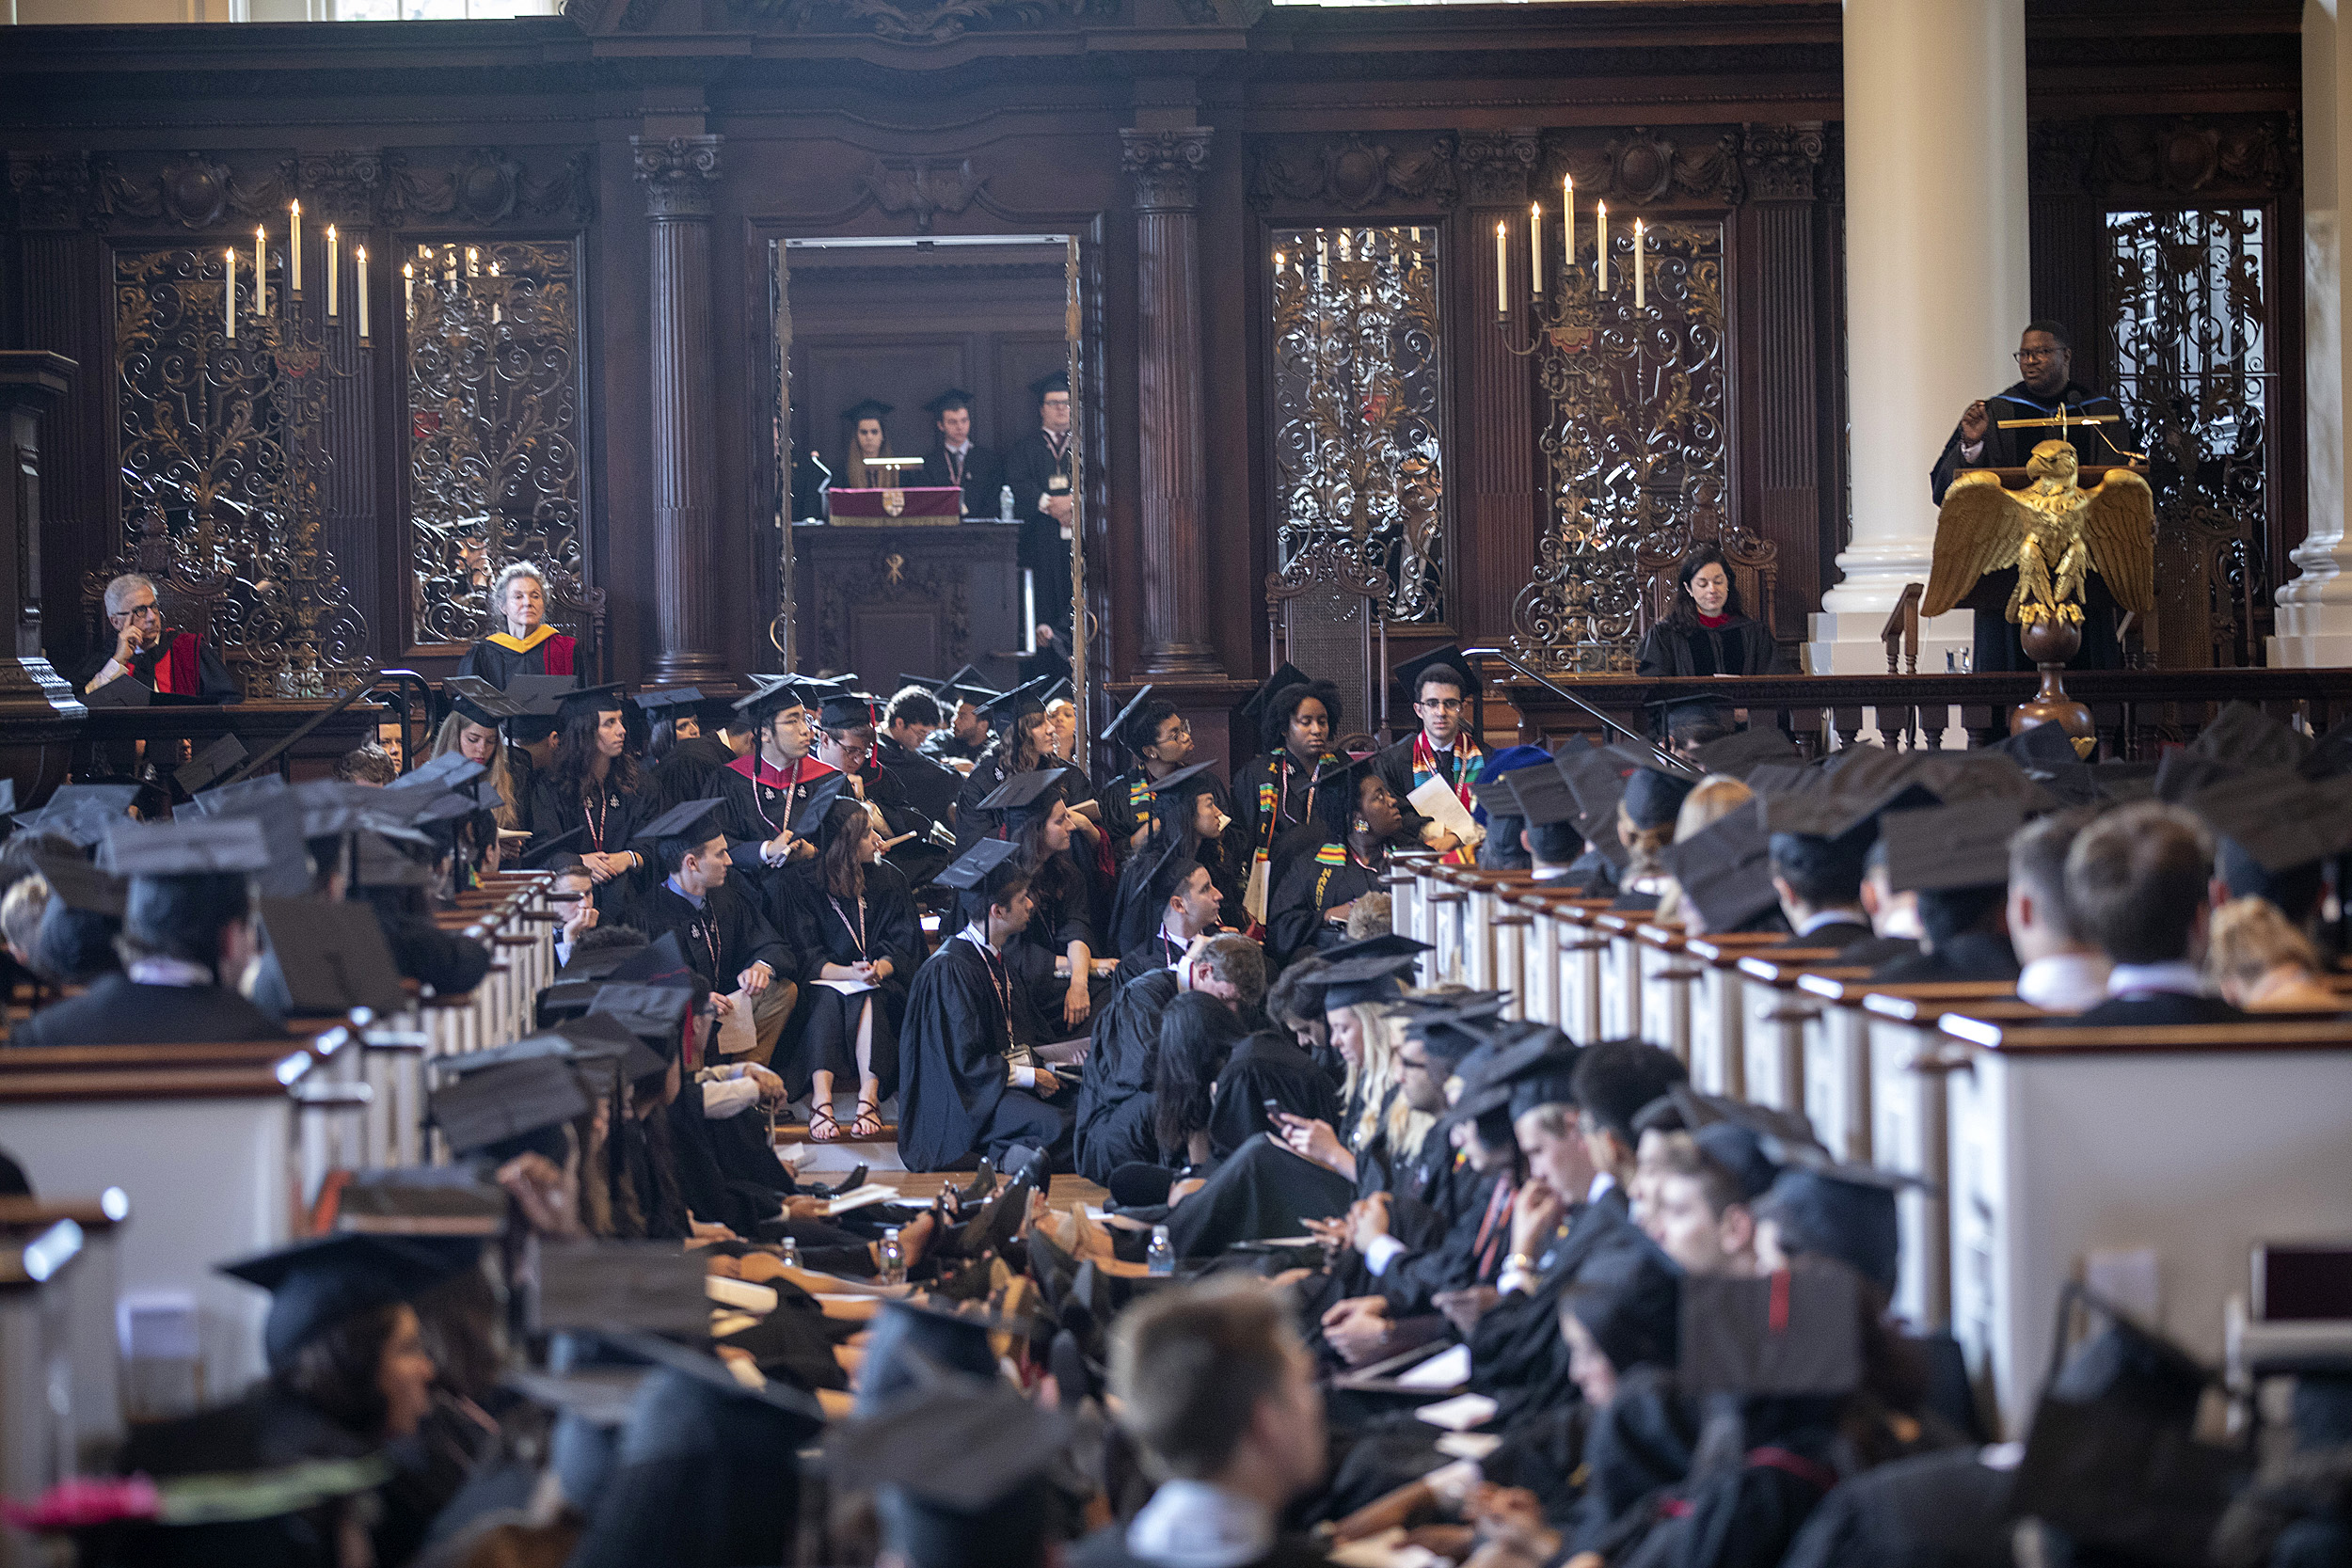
[{"x": 1067, "y": 1191}]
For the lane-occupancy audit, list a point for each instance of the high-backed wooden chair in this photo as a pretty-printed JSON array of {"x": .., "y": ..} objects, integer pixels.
[
  {"x": 1325, "y": 613},
  {"x": 1754, "y": 569}
]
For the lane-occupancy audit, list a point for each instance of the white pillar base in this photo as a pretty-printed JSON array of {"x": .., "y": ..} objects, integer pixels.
[
  {"x": 2312, "y": 637},
  {"x": 1846, "y": 642}
]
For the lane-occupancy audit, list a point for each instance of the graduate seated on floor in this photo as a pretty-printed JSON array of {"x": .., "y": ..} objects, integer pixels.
[
  {"x": 1159, "y": 741},
  {"x": 968, "y": 1090},
  {"x": 725, "y": 937},
  {"x": 1117, "y": 1121},
  {"x": 1050, "y": 960},
  {"x": 1181, "y": 892},
  {"x": 1186, "y": 822},
  {"x": 1320, "y": 870}
]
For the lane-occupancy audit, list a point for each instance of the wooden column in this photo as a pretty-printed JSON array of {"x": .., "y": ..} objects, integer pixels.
[
  {"x": 678, "y": 174},
  {"x": 36, "y": 708},
  {"x": 1496, "y": 522},
  {"x": 1779, "y": 163},
  {"x": 1167, "y": 165}
]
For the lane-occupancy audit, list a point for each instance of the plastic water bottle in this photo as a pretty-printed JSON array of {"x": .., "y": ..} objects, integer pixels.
[
  {"x": 893, "y": 1257},
  {"x": 1003, "y": 504},
  {"x": 792, "y": 1259},
  {"x": 1160, "y": 1260}
]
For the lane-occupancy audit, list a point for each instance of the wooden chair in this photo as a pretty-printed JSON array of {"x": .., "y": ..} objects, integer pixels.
[
  {"x": 1326, "y": 613},
  {"x": 1754, "y": 569}
]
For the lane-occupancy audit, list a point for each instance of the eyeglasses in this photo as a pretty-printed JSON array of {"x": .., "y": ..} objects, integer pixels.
[
  {"x": 2028, "y": 356},
  {"x": 1443, "y": 704}
]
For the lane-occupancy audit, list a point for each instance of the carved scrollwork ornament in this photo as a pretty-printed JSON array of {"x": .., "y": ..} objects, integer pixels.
[
  {"x": 1779, "y": 160},
  {"x": 51, "y": 189},
  {"x": 1166, "y": 166},
  {"x": 1356, "y": 174},
  {"x": 921, "y": 189},
  {"x": 1496, "y": 164},
  {"x": 679, "y": 173}
]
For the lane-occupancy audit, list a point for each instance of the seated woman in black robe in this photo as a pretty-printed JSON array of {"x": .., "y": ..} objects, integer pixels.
[
  {"x": 1708, "y": 633},
  {"x": 1047, "y": 1006},
  {"x": 524, "y": 643},
  {"x": 592, "y": 790},
  {"x": 1317, "y": 882},
  {"x": 1278, "y": 791},
  {"x": 852, "y": 919},
  {"x": 1188, "y": 822},
  {"x": 1025, "y": 733}
]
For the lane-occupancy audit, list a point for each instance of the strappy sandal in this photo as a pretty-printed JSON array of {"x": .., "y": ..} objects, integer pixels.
[
  {"x": 823, "y": 1126},
  {"x": 867, "y": 1124}
]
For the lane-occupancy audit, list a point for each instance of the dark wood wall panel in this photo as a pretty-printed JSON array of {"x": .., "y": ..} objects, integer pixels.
[{"x": 64, "y": 309}]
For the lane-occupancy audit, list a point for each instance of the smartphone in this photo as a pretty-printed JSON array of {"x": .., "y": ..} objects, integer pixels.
[{"x": 1273, "y": 1109}]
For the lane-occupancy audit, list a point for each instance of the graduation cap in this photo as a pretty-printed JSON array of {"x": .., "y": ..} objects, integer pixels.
[
  {"x": 2332, "y": 754},
  {"x": 86, "y": 823},
  {"x": 1347, "y": 770},
  {"x": 482, "y": 704},
  {"x": 964, "y": 686},
  {"x": 541, "y": 696},
  {"x": 483, "y": 1108},
  {"x": 1699, "y": 720},
  {"x": 1115, "y": 733},
  {"x": 1519, "y": 1073},
  {"x": 118, "y": 798},
  {"x": 672, "y": 704},
  {"x": 1654, "y": 797},
  {"x": 1795, "y": 1333},
  {"x": 544, "y": 844},
  {"x": 868, "y": 408},
  {"x": 2280, "y": 819},
  {"x": 79, "y": 884},
  {"x": 2245, "y": 734},
  {"x": 1007, "y": 708},
  {"x": 910, "y": 1341},
  {"x": 690, "y": 819},
  {"x": 603, "y": 1043},
  {"x": 606, "y": 698},
  {"x": 1781, "y": 1131},
  {"x": 849, "y": 710},
  {"x": 1628, "y": 1303},
  {"x": 220, "y": 758},
  {"x": 1540, "y": 796},
  {"x": 2182, "y": 775},
  {"x": 1372, "y": 978},
  {"x": 684, "y": 1403},
  {"x": 954, "y": 397},
  {"x": 951, "y": 1453},
  {"x": 1955, "y": 847},
  {"x": 531, "y": 1047},
  {"x": 1048, "y": 384},
  {"x": 333, "y": 957},
  {"x": 1185, "y": 775},
  {"x": 1388, "y": 944},
  {"x": 1409, "y": 673},
  {"x": 447, "y": 772},
  {"x": 654, "y": 1014},
  {"x": 420, "y": 1200},
  {"x": 615, "y": 1288},
  {"x": 1725, "y": 871},
  {"x": 1839, "y": 1210},
  {"x": 1739, "y": 1151},
  {"x": 817, "y": 806},
  {"x": 316, "y": 1284},
  {"x": 1027, "y": 794},
  {"x": 202, "y": 847},
  {"x": 1252, "y": 710},
  {"x": 980, "y": 869},
  {"x": 1739, "y": 754},
  {"x": 2037, "y": 748}
]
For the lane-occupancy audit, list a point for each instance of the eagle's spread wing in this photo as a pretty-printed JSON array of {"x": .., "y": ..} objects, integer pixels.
[
  {"x": 1979, "y": 531},
  {"x": 2120, "y": 531}
]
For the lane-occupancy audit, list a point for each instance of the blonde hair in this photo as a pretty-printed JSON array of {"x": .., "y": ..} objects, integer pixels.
[
  {"x": 445, "y": 742},
  {"x": 2250, "y": 937},
  {"x": 1644, "y": 844},
  {"x": 1712, "y": 798},
  {"x": 1380, "y": 1073}
]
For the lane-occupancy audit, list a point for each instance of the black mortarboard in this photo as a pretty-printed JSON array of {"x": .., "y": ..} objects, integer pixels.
[
  {"x": 868, "y": 408},
  {"x": 693, "y": 819},
  {"x": 975, "y": 868},
  {"x": 954, "y": 397},
  {"x": 198, "y": 847},
  {"x": 1048, "y": 384},
  {"x": 489, "y": 1107},
  {"x": 1370, "y": 978},
  {"x": 966, "y": 684},
  {"x": 1388, "y": 944},
  {"x": 1491, "y": 793},
  {"x": 1949, "y": 847},
  {"x": 531, "y": 1047},
  {"x": 660, "y": 962},
  {"x": 2037, "y": 748},
  {"x": 540, "y": 696},
  {"x": 1739, "y": 1151},
  {"x": 1628, "y": 1302},
  {"x": 1738, "y": 754},
  {"x": 940, "y": 1338},
  {"x": 669, "y": 703},
  {"x": 1653, "y": 796},
  {"x": 118, "y": 798},
  {"x": 2244, "y": 735},
  {"x": 1642, "y": 753},
  {"x": 224, "y": 799},
  {"x": 1725, "y": 871},
  {"x": 386, "y": 862},
  {"x": 85, "y": 819},
  {"x": 420, "y": 1200},
  {"x": 333, "y": 957},
  {"x": 1286, "y": 674},
  {"x": 706, "y": 1385},
  {"x": 79, "y": 884},
  {"x": 1519, "y": 1072},
  {"x": 849, "y": 710},
  {"x": 2181, "y": 774},
  {"x": 1408, "y": 675},
  {"x": 1796, "y": 1334},
  {"x": 603, "y": 1045},
  {"x": 605, "y": 1288},
  {"x": 2331, "y": 754},
  {"x": 1032, "y": 791},
  {"x": 959, "y": 1446},
  {"x": 447, "y": 772},
  {"x": 484, "y": 703},
  {"x": 1008, "y": 706},
  {"x": 1541, "y": 796},
  {"x": 220, "y": 758},
  {"x": 1839, "y": 1210},
  {"x": 316, "y": 1284},
  {"x": 545, "y": 844},
  {"x": 1114, "y": 731},
  {"x": 606, "y": 698},
  {"x": 280, "y": 817},
  {"x": 1349, "y": 770},
  {"x": 1183, "y": 776},
  {"x": 2278, "y": 817},
  {"x": 654, "y": 1014},
  {"x": 1782, "y": 1130},
  {"x": 810, "y": 823}
]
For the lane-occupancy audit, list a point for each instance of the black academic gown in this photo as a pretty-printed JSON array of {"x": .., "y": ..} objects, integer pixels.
[
  {"x": 930, "y": 785},
  {"x": 1395, "y": 763},
  {"x": 1838, "y": 936},
  {"x": 1113, "y": 1116},
  {"x": 687, "y": 773},
  {"x": 1063, "y": 914},
  {"x": 1153, "y": 954},
  {"x": 213, "y": 679},
  {"x": 498, "y": 665},
  {"x": 2152, "y": 1010},
  {"x": 1034, "y": 469},
  {"x": 1267, "y": 1066},
  {"x": 1516, "y": 1356},
  {"x": 727, "y": 935},
  {"x": 977, "y": 473},
  {"x": 553, "y": 810},
  {"x": 955, "y": 1099},
  {"x": 1744, "y": 647},
  {"x": 117, "y": 1010},
  {"x": 758, "y": 800},
  {"x": 1306, "y": 891},
  {"x": 1969, "y": 956},
  {"x": 822, "y": 929},
  {"x": 1272, "y": 795}
]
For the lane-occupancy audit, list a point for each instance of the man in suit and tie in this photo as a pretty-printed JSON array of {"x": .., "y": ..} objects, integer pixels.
[{"x": 956, "y": 459}]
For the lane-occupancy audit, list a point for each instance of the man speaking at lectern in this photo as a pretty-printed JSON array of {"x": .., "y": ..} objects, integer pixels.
[{"x": 2046, "y": 362}]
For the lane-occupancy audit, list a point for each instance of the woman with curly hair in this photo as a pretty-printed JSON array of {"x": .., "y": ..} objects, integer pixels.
[{"x": 524, "y": 643}]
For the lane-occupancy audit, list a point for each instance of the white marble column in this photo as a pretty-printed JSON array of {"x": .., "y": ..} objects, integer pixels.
[
  {"x": 2315, "y": 608},
  {"x": 1936, "y": 287}
]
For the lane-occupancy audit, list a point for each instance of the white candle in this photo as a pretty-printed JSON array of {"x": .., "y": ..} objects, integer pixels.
[
  {"x": 1502, "y": 271},
  {"x": 260, "y": 273},
  {"x": 1323, "y": 260},
  {"x": 333, "y": 272},
  {"x": 229, "y": 298},
  {"x": 495, "y": 315},
  {"x": 1567, "y": 221},
  {"x": 408, "y": 288},
  {"x": 1641, "y": 271},
  {"x": 1601, "y": 225},
  {"x": 473, "y": 262},
  {"x": 294, "y": 246},
  {"x": 360, "y": 256},
  {"x": 1535, "y": 243}
]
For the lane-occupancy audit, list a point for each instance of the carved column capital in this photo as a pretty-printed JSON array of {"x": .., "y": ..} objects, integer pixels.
[
  {"x": 678, "y": 174},
  {"x": 51, "y": 188},
  {"x": 1496, "y": 166},
  {"x": 1780, "y": 160},
  {"x": 1167, "y": 165}
]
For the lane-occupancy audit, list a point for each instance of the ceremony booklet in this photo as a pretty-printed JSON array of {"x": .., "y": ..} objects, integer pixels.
[
  {"x": 1386, "y": 1377},
  {"x": 863, "y": 1197},
  {"x": 847, "y": 987},
  {"x": 1436, "y": 801}
]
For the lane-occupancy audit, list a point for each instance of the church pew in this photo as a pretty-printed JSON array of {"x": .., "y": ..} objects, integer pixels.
[
  {"x": 217, "y": 1161},
  {"x": 1667, "y": 975},
  {"x": 1718, "y": 1062},
  {"x": 2194, "y": 1142},
  {"x": 1771, "y": 1024},
  {"x": 58, "y": 1343}
]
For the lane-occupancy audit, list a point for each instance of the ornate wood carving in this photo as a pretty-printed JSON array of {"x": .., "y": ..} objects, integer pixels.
[
  {"x": 1495, "y": 165},
  {"x": 1779, "y": 160},
  {"x": 890, "y": 577},
  {"x": 922, "y": 21},
  {"x": 1639, "y": 167},
  {"x": 1166, "y": 166},
  {"x": 1354, "y": 174},
  {"x": 483, "y": 187},
  {"x": 2218, "y": 157},
  {"x": 921, "y": 188}
]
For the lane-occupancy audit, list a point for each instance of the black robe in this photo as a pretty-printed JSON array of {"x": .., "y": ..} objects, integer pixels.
[
  {"x": 918, "y": 857},
  {"x": 553, "y": 810},
  {"x": 723, "y": 937},
  {"x": 1064, "y": 914},
  {"x": 214, "y": 683},
  {"x": 2152, "y": 1010},
  {"x": 981, "y": 477},
  {"x": 947, "y": 748},
  {"x": 498, "y": 665},
  {"x": 1118, "y": 1075},
  {"x": 687, "y": 773},
  {"x": 930, "y": 785},
  {"x": 1969, "y": 956},
  {"x": 759, "y": 801},
  {"x": 117, "y": 1010},
  {"x": 1155, "y": 955},
  {"x": 819, "y": 930},
  {"x": 1031, "y": 468},
  {"x": 1838, "y": 936},
  {"x": 1305, "y": 893},
  {"x": 1272, "y": 795},
  {"x": 1267, "y": 1066},
  {"x": 1742, "y": 648},
  {"x": 1134, "y": 915},
  {"x": 1395, "y": 763},
  {"x": 953, "y": 1055},
  {"x": 1126, "y": 808},
  {"x": 1516, "y": 1356}
]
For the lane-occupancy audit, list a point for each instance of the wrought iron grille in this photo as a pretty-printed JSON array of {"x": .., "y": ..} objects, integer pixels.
[
  {"x": 493, "y": 432},
  {"x": 2188, "y": 323},
  {"x": 1358, "y": 402},
  {"x": 221, "y": 452},
  {"x": 1635, "y": 437}
]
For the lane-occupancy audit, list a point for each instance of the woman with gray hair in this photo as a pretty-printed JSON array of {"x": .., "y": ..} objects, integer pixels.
[
  {"x": 155, "y": 656},
  {"x": 522, "y": 643}
]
